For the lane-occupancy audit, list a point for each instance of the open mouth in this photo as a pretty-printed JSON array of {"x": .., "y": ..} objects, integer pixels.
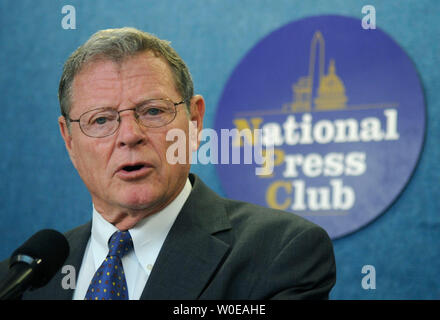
[
  {"x": 133, "y": 168},
  {"x": 134, "y": 171}
]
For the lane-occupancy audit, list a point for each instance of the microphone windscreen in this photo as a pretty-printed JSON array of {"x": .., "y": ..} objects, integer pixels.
[{"x": 51, "y": 247}]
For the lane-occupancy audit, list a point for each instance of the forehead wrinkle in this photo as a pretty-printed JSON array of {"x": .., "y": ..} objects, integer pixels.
[
  {"x": 105, "y": 79},
  {"x": 156, "y": 80}
]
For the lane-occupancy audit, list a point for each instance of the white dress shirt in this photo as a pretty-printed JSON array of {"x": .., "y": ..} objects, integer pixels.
[{"x": 148, "y": 237}]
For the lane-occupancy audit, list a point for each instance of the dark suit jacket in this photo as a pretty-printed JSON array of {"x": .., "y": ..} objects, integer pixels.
[{"x": 224, "y": 249}]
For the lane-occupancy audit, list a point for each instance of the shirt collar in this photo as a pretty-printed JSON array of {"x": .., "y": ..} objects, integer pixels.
[{"x": 148, "y": 235}]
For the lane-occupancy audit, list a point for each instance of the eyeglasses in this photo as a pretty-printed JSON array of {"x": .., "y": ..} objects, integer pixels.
[{"x": 103, "y": 122}]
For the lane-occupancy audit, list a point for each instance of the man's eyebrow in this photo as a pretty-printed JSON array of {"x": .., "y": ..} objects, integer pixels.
[
  {"x": 96, "y": 107},
  {"x": 138, "y": 104},
  {"x": 144, "y": 101},
  {"x": 109, "y": 106},
  {"x": 141, "y": 103}
]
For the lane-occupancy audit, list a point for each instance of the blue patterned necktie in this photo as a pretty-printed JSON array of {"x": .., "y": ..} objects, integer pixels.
[{"x": 109, "y": 282}]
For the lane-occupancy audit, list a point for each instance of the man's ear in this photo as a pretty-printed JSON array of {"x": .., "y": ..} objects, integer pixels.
[
  {"x": 65, "y": 133},
  {"x": 197, "y": 109}
]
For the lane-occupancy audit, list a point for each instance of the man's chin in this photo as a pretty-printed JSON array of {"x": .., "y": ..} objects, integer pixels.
[
  {"x": 144, "y": 202},
  {"x": 138, "y": 205}
]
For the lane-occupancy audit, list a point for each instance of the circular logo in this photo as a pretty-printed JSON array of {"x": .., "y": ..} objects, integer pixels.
[{"x": 328, "y": 122}]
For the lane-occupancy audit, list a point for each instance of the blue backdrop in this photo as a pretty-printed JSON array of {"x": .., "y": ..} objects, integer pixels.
[{"x": 40, "y": 188}]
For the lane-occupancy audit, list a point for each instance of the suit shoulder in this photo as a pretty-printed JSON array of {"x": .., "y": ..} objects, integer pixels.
[{"x": 252, "y": 218}]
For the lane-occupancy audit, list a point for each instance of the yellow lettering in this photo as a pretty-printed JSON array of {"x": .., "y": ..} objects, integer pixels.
[
  {"x": 241, "y": 125},
  {"x": 271, "y": 194}
]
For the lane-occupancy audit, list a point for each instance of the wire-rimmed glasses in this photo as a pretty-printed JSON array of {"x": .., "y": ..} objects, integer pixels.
[{"x": 102, "y": 122}]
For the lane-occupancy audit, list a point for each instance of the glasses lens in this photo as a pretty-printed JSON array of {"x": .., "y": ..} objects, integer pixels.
[
  {"x": 99, "y": 122},
  {"x": 156, "y": 113}
]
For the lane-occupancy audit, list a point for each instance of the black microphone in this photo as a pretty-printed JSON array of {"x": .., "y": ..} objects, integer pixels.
[{"x": 33, "y": 264}]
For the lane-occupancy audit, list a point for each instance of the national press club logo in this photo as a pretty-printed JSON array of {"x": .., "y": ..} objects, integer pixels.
[{"x": 340, "y": 111}]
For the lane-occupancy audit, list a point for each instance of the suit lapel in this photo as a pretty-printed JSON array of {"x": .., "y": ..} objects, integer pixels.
[
  {"x": 78, "y": 240},
  {"x": 191, "y": 252}
]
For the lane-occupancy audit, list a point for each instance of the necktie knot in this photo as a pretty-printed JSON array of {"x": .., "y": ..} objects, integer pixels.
[{"x": 120, "y": 243}]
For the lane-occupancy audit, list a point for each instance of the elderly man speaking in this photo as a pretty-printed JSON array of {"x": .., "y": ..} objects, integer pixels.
[{"x": 157, "y": 231}]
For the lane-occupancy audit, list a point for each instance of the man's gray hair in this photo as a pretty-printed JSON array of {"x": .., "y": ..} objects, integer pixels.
[{"x": 117, "y": 45}]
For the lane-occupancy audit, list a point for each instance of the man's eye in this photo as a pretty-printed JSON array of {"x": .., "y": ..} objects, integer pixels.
[
  {"x": 153, "y": 112},
  {"x": 100, "y": 120}
]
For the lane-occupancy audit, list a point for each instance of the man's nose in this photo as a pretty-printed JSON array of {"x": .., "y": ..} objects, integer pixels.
[{"x": 130, "y": 132}]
